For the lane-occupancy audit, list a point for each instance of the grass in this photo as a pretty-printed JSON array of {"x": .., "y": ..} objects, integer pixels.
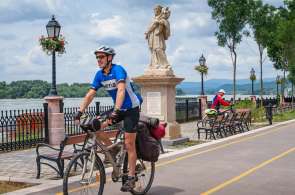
[
  {"x": 188, "y": 144},
  {"x": 10, "y": 186},
  {"x": 284, "y": 116}
]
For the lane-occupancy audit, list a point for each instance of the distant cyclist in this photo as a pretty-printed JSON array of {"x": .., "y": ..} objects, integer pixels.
[{"x": 218, "y": 101}]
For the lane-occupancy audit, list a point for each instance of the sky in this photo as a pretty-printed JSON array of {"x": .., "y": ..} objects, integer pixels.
[{"x": 120, "y": 24}]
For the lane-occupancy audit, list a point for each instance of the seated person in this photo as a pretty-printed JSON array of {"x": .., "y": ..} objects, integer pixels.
[{"x": 218, "y": 100}]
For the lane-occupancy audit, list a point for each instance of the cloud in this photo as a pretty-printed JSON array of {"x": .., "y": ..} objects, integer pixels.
[
  {"x": 25, "y": 10},
  {"x": 120, "y": 24}
]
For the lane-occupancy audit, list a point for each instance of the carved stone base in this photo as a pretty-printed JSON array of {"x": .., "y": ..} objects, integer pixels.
[
  {"x": 158, "y": 94},
  {"x": 159, "y": 72}
]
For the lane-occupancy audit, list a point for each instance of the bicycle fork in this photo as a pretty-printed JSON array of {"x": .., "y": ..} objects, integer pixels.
[{"x": 87, "y": 175}]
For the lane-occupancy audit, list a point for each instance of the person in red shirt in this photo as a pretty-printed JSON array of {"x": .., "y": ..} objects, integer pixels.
[{"x": 218, "y": 100}]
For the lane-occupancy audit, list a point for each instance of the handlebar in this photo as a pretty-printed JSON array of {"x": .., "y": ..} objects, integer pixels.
[{"x": 93, "y": 123}]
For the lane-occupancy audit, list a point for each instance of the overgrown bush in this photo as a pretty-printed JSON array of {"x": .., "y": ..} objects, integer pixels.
[{"x": 257, "y": 114}]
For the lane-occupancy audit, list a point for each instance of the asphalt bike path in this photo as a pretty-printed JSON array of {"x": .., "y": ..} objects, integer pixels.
[{"x": 257, "y": 163}]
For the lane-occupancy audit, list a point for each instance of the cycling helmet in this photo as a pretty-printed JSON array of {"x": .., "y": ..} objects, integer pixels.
[
  {"x": 211, "y": 112},
  {"x": 221, "y": 91},
  {"x": 105, "y": 49}
]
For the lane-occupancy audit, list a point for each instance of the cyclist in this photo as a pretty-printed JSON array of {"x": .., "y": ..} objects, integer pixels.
[
  {"x": 218, "y": 100},
  {"x": 115, "y": 80}
]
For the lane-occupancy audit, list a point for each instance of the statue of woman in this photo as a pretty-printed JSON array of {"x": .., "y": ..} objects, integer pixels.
[{"x": 157, "y": 33}]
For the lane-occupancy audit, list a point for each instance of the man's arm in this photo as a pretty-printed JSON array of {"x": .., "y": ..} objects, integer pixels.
[
  {"x": 87, "y": 99},
  {"x": 223, "y": 102},
  {"x": 120, "y": 94}
]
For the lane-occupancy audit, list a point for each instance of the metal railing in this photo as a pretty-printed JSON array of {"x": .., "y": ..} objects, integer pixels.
[
  {"x": 266, "y": 101},
  {"x": 188, "y": 109},
  {"x": 21, "y": 129}
]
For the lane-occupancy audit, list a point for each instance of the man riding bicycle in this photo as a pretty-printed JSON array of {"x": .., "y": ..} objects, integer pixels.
[
  {"x": 114, "y": 79},
  {"x": 218, "y": 101}
]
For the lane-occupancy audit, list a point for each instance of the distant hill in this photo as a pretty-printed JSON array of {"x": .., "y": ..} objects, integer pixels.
[{"x": 213, "y": 85}]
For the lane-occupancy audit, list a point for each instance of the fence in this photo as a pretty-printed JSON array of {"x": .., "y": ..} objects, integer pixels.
[
  {"x": 284, "y": 108},
  {"x": 188, "y": 109},
  {"x": 21, "y": 129},
  {"x": 289, "y": 99},
  {"x": 267, "y": 101}
]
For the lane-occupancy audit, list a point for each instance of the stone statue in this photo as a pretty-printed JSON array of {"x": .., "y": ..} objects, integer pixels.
[{"x": 157, "y": 33}]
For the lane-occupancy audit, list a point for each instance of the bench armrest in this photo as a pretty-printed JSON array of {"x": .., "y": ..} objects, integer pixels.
[{"x": 45, "y": 145}]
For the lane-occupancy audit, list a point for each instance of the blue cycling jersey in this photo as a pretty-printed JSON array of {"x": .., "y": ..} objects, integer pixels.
[{"x": 109, "y": 82}]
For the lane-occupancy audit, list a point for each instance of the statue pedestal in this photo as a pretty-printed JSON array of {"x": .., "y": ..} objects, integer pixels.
[
  {"x": 158, "y": 93},
  {"x": 159, "y": 72},
  {"x": 56, "y": 121}
]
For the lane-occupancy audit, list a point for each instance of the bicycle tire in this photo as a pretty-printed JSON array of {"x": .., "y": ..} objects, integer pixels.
[
  {"x": 74, "y": 184},
  {"x": 147, "y": 173}
]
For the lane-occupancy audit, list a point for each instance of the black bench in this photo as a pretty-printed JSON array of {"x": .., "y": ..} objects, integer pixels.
[{"x": 59, "y": 155}]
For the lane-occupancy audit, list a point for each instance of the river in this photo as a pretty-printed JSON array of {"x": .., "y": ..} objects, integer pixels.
[{"x": 22, "y": 104}]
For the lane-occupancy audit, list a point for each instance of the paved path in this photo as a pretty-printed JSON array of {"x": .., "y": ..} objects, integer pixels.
[
  {"x": 259, "y": 162},
  {"x": 22, "y": 164}
]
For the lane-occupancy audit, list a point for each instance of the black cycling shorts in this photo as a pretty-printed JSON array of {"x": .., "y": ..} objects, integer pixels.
[{"x": 130, "y": 119}]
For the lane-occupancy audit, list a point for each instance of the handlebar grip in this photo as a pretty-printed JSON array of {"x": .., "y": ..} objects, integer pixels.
[{"x": 92, "y": 125}]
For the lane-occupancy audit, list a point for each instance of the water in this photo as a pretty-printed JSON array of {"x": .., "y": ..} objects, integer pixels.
[
  {"x": 228, "y": 97},
  {"x": 22, "y": 104}
]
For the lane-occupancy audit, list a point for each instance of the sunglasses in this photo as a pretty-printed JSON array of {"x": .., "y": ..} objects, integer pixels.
[{"x": 100, "y": 57}]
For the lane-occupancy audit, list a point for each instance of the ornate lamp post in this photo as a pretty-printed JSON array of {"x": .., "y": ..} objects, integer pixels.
[
  {"x": 252, "y": 78},
  {"x": 53, "y": 30},
  {"x": 203, "y": 69}
]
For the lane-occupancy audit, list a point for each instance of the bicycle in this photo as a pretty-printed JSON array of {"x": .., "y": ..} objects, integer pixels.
[{"x": 85, "y": 173}]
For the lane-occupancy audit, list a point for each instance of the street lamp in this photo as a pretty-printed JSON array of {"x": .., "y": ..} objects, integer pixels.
[
  {"x": 53, "y": 30},
  {"x": 252, "y": 78},
  {"x": 202, "y": 61},
  {"x": 278, "y": 81}
]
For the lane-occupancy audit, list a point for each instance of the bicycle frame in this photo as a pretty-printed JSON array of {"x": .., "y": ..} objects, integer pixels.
[{"x": 96, "y": 146}]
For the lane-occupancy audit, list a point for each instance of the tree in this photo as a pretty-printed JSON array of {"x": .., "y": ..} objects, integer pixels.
[
  {"x": 261, "y": 22},
  {"x": 231, "y": 16}
]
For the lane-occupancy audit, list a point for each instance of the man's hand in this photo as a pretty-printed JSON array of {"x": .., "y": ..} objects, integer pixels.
[
  {"x": 114, "y": 116},
  {"x": 77, "y": 115}
]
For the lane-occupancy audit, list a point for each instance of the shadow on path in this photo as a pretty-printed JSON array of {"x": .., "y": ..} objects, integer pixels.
[{"x": 164, "y": 190}]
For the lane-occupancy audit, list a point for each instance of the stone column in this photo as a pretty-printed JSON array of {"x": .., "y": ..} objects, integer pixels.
[
  {"x": 56, "y": 121},
  {"x": 253, "y": 99},
  {"x": 204, "y": 105},
  {"x": 158, "y": 94}
]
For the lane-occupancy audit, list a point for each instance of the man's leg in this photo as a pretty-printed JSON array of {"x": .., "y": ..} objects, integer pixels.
[
  {"x": 131, "y": 149},
  {"x": 132, "y": 157}
]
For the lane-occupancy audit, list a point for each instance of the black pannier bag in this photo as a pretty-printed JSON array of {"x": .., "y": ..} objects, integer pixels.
[{"x": 147, "y": 147}]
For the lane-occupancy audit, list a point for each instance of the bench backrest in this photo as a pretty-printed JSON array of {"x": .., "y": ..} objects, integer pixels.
[{"x": 76, "y": 139}]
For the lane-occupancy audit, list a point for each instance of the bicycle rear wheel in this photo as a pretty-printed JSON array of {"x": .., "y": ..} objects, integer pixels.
[
  {"x": 83, "y": 175},
  {"x": 144, "y": 172}
]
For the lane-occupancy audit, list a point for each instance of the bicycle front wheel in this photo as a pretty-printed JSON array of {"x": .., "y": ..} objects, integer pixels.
[
  {"x": 84, "y": 175},
  {"x": 144, "y": 173}
]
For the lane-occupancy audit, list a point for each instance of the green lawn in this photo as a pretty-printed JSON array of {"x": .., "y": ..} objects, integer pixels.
[{"x": 284, "y": 116}]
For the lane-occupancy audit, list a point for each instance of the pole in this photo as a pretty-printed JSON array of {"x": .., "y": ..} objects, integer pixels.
[
  {"x": 202, "y": 92},
  {"x": 53, "y": 91},
  {"x": 252, "y": 88}
]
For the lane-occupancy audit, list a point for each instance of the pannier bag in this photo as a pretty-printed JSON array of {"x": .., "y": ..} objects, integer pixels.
[{"x": 147, "y": 147}]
